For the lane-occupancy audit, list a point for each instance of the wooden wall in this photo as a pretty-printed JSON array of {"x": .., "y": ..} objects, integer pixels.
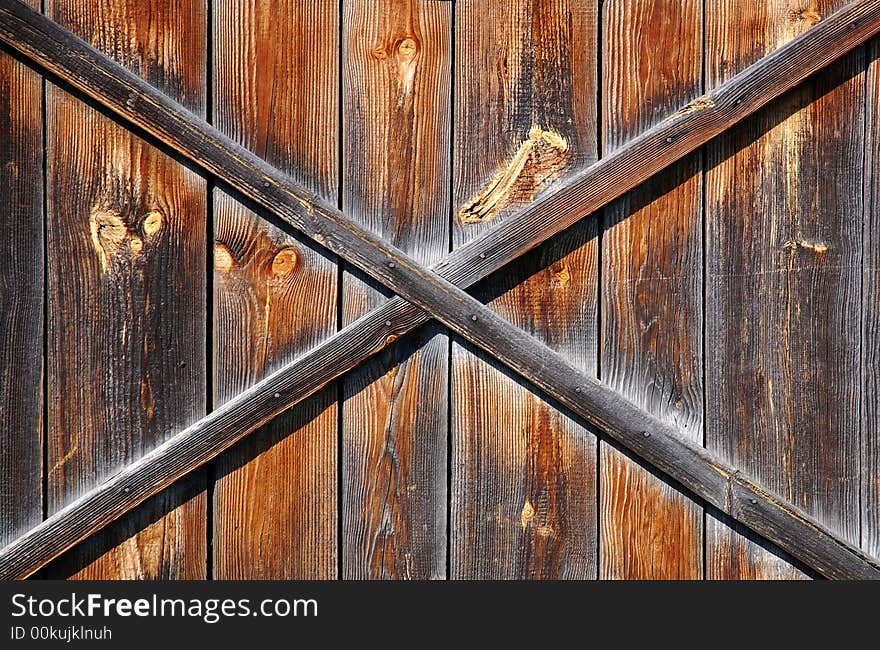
[{"x": 734, "y": 295}]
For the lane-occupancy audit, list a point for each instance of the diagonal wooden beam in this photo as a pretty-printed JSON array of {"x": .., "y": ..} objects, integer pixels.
[{"x": 657, "y": 443}]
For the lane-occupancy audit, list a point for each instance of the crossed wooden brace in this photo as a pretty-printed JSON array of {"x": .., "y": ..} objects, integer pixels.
[{"x": 439, "y": 292}]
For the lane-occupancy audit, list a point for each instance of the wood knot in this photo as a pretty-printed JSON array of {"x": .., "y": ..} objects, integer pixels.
[
  {"x": 152, "y": 223},
  {"x": 538, "y": 161},
  {"x": 809, "y": 15},
  {"x": 561, "y": 275},
  {"x": 147, "y": 401},
  {"x": 503, "y": 64},
  {"x": 284, "y": 262},
  {"x": 111, "y": 234},
  {"x": 406, "y": 54},
  {"x": 814, "y": 247},
  {"x": 108, "y": 232},
  {"x": 379, "y": 53},
  {"x": 407, "y": 48},
  {"x": 223, "y": 261},
  {"x": 527, "y": 514}
]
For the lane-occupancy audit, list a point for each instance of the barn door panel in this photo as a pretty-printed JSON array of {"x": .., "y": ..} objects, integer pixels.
[
  {"x": 126, "y": 291},
  {"x": 733, "y": 295},
  {"x": 652, "y": 293},
  {"x": 523, "y": 491},
  {"x": 784, "y": 258},
  {"x": 396, "y": 122},
  {"x": 21, "y": 298},
  {"x": 275, "y": 90}
]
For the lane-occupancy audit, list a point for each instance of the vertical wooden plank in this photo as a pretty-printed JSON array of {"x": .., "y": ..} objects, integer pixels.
[
  {"x": 396, "y": 90},
  {"x": 652, "y": 288},
  {"x": 870, "y": 414},
  {"x": 126, "y": 291},
  {"x": 21, "y": 297},
  {"x": 275, "y": 91},
  {"x": 523, "y": 472},
  {"x": 784, "y": 253}
]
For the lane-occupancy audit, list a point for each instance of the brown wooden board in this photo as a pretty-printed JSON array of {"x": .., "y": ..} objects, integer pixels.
[
  {"x": 870, "y": 410},
  {"x": 523, "y": 490},
  {"x": 126, "y": 292},
  {"x": 275, "y": 91},
  {"x": 21, "y": 297},
  {"x": 652, "y": 293},
  {"x": 784, "y": 253},
  {"x": 396, "y": 94}
]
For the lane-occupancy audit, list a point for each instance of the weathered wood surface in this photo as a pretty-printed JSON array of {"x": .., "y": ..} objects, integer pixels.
[
  {"x": 126, "y": 292},
  {"x": 184, "y": 449},
  {"x": 396, "y": 92},
  {"x": 275, "y": 499},
  {"x": 870, "y": 411},
  {"x": 784, "y": 253},
  {"x": 652, "y": 293},
  {"x": 21, "y": 297},
  {"x": 523, "y": 491}
]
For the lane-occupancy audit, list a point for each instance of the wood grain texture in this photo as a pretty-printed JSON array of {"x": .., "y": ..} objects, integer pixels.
[
  {"x": 652, "y": 294},
  {"x": 396, "y": 87},
  {"x": 524, "y": 472},
  {"x": 870, "y": 410},
  {"x": 275, "y": 91},
  {"x": 784, "y": 253},
  {"x": 126, "y": 292},
  {"x": 21, "y": 298},
  {"x": 653, "y": 440}
]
